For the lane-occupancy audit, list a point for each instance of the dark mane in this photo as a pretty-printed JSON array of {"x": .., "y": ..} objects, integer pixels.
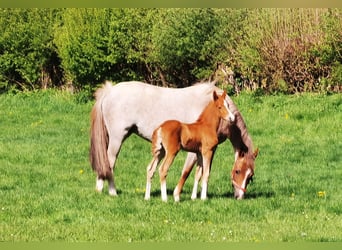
[{"x": 236, "y": 132}]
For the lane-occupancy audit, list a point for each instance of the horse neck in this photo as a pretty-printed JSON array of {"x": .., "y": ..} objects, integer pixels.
[
  {"x": 210, "y": 116},
  {"x": 239, "y": 136}
]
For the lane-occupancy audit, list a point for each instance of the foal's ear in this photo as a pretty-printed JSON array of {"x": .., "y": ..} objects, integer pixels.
[
  {"x": 215, "y": 96},
  {"x": 256, "y": 152},
  {"x": 224, "y": 94}
]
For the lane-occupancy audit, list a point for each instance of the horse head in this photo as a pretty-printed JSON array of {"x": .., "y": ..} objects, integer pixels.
[
  {"x": 224, "y": 111},
  {"x": 243, "y": 172}
]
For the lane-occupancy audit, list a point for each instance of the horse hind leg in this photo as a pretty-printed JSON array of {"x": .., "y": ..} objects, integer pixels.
[{"x": 113, "y": 151}]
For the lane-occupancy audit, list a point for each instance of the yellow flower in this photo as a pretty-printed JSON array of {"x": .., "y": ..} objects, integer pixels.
[
  {"x": 138, "y": 190},
  {"x": 81, "y": 171},
  {"x": 321, "y": 194},
  {"x": 286, "y": 116}
]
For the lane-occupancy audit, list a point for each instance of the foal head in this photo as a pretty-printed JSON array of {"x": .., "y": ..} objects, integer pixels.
[
  {"x": 222, "y": 106},
  {"x": 242, "y": 172}
]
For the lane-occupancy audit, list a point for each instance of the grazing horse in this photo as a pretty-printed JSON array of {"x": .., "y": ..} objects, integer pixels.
[
  {"x": 136, "y": 107},
  {"x": 199, "y": 137}
]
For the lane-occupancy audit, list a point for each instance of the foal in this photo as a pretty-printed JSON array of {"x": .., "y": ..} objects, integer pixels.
[{"x": 199, "y": 137}]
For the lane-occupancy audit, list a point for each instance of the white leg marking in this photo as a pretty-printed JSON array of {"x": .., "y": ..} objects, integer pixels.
[
  {"x": 112, "y": 190},
  {"x": 148, "y": 191},
  {"x": 176, "y": 195},
  {"x": 99, "y": 184},
  {"x": 163, "y": 191},
  {"x": 204, "y": 191},
  {"x": 194, "y": 191}
]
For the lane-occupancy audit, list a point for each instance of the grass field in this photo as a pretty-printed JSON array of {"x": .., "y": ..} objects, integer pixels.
[{"x": 47, "y": 187}]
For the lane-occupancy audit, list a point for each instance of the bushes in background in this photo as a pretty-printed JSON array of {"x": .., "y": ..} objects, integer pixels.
[{"x": 272, "y": 50}]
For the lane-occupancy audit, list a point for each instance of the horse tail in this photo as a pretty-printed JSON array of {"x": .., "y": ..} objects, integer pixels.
[{"x": 99, "y": 137}]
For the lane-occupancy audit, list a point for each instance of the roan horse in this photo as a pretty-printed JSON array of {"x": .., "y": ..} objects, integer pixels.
[
  {"x": 199, "y": 137},
  {"x": 136, "y": 107}
]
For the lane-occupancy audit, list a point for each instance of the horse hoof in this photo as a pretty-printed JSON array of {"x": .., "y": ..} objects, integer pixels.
[{"x": 112, "y": 193}]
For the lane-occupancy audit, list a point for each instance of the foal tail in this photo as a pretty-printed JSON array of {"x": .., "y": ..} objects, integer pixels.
[{"x": 99, "y": 137}]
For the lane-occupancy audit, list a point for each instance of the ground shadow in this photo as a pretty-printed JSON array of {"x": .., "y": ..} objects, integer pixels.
[
  {"x": 229, "y": 195},
  {"x": 248, "y": 195}
]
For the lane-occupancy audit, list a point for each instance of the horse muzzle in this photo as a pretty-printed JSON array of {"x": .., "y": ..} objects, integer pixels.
[
  {"x": 239, "y": 194},
  {"x": 239, "y": 191}
]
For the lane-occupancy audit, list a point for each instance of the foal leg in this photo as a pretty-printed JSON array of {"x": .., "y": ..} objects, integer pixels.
[
  {"x": 188, "y": 165},
  {"x": 164, "y": 167},
  {"x": 151, "y": 168},
  {"x": 207, "y": 159},
  {"x": 198, "y": 175}
]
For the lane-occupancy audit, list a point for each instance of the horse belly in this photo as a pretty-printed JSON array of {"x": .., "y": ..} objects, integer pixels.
[{"x": 191, "y": 145}]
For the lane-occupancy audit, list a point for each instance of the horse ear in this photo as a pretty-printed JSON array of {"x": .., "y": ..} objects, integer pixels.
[
  {"x": 215, "y": 95},
  {"x": 224, "y": 94},
  {"x": 256, "y": 152}
]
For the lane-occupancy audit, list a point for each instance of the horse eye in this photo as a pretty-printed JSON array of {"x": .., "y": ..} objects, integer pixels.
[{"x": 237, "y": 171}]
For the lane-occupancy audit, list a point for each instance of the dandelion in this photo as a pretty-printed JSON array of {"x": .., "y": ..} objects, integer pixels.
[
  {"x": 81, "y": 171},
  {"x": 286, "y": 116},
  {"x": 138, "y": 190},
  {"x": 321, "y": 194}
]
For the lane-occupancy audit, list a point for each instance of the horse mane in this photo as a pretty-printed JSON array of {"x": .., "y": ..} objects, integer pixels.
[{"x": 238, "y": 133}]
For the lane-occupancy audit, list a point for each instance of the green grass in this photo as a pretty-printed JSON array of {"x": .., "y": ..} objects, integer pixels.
[{"x": 47, "y": 187}]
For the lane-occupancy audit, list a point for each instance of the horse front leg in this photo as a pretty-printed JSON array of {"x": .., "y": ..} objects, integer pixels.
[
  {"x": 207, "y": 160},
  {"x": 188, "y": 165}
]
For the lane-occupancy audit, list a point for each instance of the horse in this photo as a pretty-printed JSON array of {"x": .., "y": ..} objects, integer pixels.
[
  {"x": 199, "y": 137},
  {"x": 136, "y": 107}
]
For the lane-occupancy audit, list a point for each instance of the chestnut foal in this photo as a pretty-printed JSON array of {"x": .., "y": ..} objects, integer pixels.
[{"x": 199, "y": 137}]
